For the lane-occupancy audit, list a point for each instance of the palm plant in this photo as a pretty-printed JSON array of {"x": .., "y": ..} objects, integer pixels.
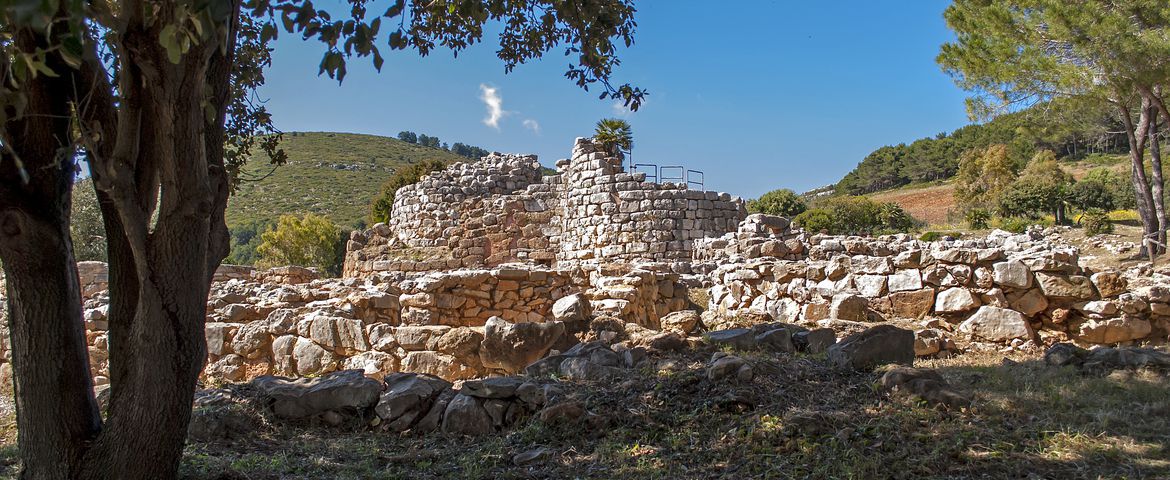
[{"x": 614, "y": 136}]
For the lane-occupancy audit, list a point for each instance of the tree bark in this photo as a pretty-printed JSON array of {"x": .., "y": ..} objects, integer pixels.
[
  {"x": 1141, "y": 186},
  {"x": 1156, "y": 183},
  {"x": 56, "y": 411}
]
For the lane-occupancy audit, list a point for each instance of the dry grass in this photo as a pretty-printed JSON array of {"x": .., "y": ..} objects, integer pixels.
[{"x": 799, "y": 418}]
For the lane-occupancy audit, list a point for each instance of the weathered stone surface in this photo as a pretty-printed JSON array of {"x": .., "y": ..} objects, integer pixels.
[
  {"x": 816, "y": 340},
  {"x": 955, "y": 300},
  {"x": 437, "y": 364},
  {"x": 1109, "y": 284},
  {"x": 373, "y": 364},
  {"x": 494, "y": 387},
  {"x": 1073, "y": 287},
  {"x": 877, "y": 345},
  {"x": 737, "y": 338},
  {"x": 572, "y": 309},
  {"x": 849, "y": 307},
  {"x": 465, "y": 415},
  {"x": 905, "y": 280},
  {"x": 683, "y": 322},
  {"x": 777, "y": 340},
  {"x": 511, "y": 347},
  {"x": 997, "y": 324},
  {"x": 926, "y": 385},
  {"x": 407, "y": 398},
  {"x": 730, "y": 367},
  {"x": 1013, "y": 274},
  {"x": 311, "y": 359},
  {"x": 1113, "y": 330},
  {"x": 347, "y": 389},
  {"x": 1030, "y": 303},
  {"x": 914, "y": 304}
]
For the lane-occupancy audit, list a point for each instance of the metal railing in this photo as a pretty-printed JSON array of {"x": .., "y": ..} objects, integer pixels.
[{"x": 671, "y": 174}]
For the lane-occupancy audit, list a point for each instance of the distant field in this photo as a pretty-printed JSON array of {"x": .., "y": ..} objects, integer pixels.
[{"x": 334, "y": 174}]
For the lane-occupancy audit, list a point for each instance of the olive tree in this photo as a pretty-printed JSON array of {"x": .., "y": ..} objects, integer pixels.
[{"x": 155, "y": 95}]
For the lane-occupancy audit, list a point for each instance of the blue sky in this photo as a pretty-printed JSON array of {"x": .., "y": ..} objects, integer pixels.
[{"x": 763, "y": 95}]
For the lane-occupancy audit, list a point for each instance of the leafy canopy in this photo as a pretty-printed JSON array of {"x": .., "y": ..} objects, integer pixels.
[
  {"x": 309, "y": 241},
  {"x": 782, "y": 202}
]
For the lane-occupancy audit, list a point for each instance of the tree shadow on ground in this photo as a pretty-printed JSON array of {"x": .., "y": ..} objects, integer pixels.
[{"x": 799, "y": 418}]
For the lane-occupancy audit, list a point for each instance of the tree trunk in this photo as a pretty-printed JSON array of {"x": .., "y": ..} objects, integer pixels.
[
  {"x": 1141, "y": 186},
  {"x": 56, "y": 411},
  {"x": 1156, "y": 184}
]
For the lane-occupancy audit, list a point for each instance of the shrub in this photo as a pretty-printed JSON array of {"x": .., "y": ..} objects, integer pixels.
[
  {"x": 933, "y": 236},
  {"x": 1015, "y": 224},
  {"x": 783, "y": 202},
  {"x": 311, "y": 241},
  {"x": 1096, "y": 221},
  {"x": 856, "y": 215},
  {"x": 382, "y": 205},
  {"x": 978, "y": 218}
]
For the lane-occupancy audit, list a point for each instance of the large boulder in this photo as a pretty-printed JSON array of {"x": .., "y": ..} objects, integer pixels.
[
  {"x": 466, "y": 415},
  {"x": 409, "y": 396},
  {"x": 997, "y": 324},
  {"x": 877, "y": 345},
  {"x": 1113, "y": 330},
  {"x": 347, "y": 390},
  {"x": 513, "y": 346}
]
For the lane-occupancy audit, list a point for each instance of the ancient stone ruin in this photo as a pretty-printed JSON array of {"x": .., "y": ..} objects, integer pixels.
[
  {"x": 501, "y": 209},
  {"x": 492, "y": 269}
]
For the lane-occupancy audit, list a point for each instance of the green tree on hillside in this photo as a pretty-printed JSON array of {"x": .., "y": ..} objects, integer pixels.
[
  {"x": 983, "y": 176},
  {"x": 1042, "y": 188},
  {"x": 309, "y": 241},
  {"x": 161, "y": 93},
  {"x": 1011, "y": 53},
  {"x": 408, "y": 136},
  {"x": 383, "y": 204},
  {"x": 783, "y": 202},
  {"x": 848, "y": 215}
]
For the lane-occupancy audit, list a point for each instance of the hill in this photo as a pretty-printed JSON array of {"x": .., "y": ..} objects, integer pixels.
[
  {"x": 934, "y": 202},
  {"x": 333, "y": 174}
]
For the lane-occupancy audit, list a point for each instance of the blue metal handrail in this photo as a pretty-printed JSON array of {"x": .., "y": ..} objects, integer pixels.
[
  {"x": 684, "y": 176},
  {"x": 653, "y": 178}
]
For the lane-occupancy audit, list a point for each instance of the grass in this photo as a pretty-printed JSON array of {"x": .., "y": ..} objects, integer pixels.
[
  {"x": 333, "y": 174},
  {"x": 798, "y": 419}
]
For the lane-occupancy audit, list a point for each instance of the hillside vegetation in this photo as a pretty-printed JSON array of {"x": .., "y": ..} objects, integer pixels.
[
  {"x": 1070, "y": 130},
  {"x": 331, "y": 174}
]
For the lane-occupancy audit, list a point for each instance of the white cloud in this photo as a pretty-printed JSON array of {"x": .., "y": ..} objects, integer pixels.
[
  {"x": 620, "y": 109},
  {"x": 532, "y": 125},
  {"x": 494, "y": 103}
]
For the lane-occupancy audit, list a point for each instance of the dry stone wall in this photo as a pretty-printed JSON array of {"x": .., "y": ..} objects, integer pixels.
[
  {"x": 502, "y": 209},
  {"x": 457, "y": 324},
  {"x": 1005, "y": 288}
]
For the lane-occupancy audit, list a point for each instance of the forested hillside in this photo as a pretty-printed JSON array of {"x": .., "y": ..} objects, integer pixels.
[{"x": 1071, "y": 130}]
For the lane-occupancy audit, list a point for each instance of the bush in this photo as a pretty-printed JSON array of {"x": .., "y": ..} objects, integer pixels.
[
  {"x": 1096, "y": 221},
  {"x": 783, "y": 202},
  {"x": 933, "y": 236},
  {"x": 856, "y": 215},
  {"x": 311, "y": 241},
  {"x": 245, "y": 239},
  {"x": 382, "y": 205},
  {"x": 978, "y": 218},
  {"x": 1015, "y": 224}
]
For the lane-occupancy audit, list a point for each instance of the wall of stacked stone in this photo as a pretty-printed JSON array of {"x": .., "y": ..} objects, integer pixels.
[
  {"x": 435, "y": 324},
  {"x": 1000, "y": 289},
  {"x": 501, "y": 209},
  {"x": 758, "y": 236},
  {"x": 486, "y": 213},
  {"x": 612, "y": 215}
]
